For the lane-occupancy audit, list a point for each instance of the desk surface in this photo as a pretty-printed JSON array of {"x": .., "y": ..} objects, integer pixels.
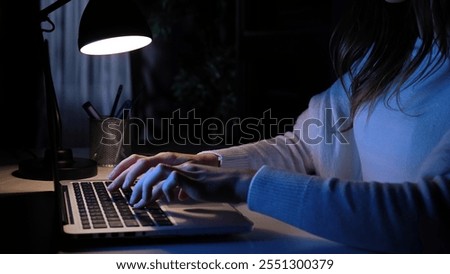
[{"x": 269, "y": 235}]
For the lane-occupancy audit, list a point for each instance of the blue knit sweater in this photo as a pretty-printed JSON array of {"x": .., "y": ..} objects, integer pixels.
[{"x": 383, "y": 185}]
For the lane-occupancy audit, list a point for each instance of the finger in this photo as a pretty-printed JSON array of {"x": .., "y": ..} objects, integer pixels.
[
  {"x": 140, "y": 167},
  {"x": 169, "y": 184},
  {"x": 118, "y": 181},
  {"x": 182, "y": 195},
  {"x": 143, "y": 194},
  {"x": 127, "y": 178},
  {"x": 146, "y": 198},
  {"x": 140, "y": 204},
  {"x": 140, "y": 186},
  {"x": 156, "y": 192},
  {"x": 123, "y": 165},
  {"x": 136, "y": 194},
  {"x": 143, "y": 197}
]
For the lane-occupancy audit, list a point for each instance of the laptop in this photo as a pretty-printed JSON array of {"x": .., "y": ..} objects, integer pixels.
[
  {"x": 86, "y": 210},
  {"x": 89, "y": 210}
]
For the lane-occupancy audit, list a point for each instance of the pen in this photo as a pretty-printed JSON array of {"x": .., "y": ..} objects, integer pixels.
[
  {"x": 116, "y": 101},
  {"x": 91, "y": 111},
  {"x": 126, "y": 105}
]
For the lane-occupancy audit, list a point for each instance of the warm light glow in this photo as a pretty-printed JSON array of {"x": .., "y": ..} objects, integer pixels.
[{"x": 116, "y": 45}]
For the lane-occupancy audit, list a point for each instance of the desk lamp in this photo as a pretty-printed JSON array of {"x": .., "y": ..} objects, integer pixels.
[{"x": 106, "y": 27}]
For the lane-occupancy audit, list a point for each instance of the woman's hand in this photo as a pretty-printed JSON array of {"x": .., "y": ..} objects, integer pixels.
[
  {"x": 199, "y": 182},
  {"x": 126, "y": 172},
  {"x": 177, "y": 174}
]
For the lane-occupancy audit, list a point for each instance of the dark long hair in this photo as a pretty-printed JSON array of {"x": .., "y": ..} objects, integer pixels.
[{"x": 386, "y": 34}]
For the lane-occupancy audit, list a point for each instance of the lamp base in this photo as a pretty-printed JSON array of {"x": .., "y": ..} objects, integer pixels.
[{"x": 68, "y": 167}]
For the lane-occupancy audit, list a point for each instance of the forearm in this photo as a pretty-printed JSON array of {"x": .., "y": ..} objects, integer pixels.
[
  {"x": 283, "y": 152},
  {"x": 376, "y": 216}
]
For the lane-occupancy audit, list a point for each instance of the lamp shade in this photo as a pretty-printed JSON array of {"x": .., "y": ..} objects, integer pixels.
[{"x": 112, "y": 26}]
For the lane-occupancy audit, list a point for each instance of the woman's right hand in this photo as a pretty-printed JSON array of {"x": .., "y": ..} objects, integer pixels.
[
  {"x": 198, "y": 182},
  {"x": 127, "y": 171}
]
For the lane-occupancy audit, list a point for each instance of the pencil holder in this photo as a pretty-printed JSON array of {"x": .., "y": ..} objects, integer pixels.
[{"x": 109, "y": 140}]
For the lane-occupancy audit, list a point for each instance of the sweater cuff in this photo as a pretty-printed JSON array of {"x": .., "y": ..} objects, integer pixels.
[
  {"x": 278, "y": 194},
  {"x": 231, "y": 157}
]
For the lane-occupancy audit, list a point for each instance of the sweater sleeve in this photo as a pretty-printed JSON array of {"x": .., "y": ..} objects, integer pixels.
[
  {"x": 313, "y": 145},
  {"x": 379, "y": 216}
]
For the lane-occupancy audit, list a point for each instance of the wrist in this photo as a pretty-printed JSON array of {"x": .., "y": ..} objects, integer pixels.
[{"x": 209, "y": 158}]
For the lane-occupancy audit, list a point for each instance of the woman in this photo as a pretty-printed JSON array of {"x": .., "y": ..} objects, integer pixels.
[{"x": 381, "y": 180}]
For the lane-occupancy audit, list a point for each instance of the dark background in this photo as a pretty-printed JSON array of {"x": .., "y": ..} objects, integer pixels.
[
  {"x": 20, "y": 76},
  {"x": 226, "y": 59}
]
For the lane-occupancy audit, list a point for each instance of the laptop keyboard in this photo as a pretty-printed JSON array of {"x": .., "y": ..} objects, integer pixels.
[{"x": 100, "y": 208}]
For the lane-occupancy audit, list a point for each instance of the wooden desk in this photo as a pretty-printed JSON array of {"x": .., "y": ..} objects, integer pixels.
[{"x": 32, "y": 231}]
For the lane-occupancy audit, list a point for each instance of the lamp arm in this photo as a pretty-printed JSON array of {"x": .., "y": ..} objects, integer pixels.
[
  {"x": 53, "y": 113},
  {"x": 52, "y": 7},
  {"x": 58, "y": 163}
]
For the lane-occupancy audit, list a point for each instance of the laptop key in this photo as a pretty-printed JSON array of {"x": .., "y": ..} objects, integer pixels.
[
  {"x": 82, "y": 209},
  {"x": 143, "y": 217},
  {"x": 97, "y": 218},
  {"x": 106, "y": 202},
  {"x": 111, "y": 209}
]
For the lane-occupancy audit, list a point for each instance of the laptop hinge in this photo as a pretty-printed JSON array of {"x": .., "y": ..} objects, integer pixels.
[{"x": 66, "y": 209}]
